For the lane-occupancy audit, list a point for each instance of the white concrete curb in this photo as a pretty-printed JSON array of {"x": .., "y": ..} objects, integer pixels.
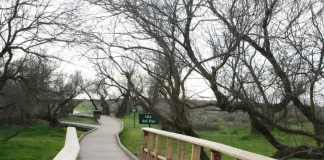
[{"x": 71, "y": 148}]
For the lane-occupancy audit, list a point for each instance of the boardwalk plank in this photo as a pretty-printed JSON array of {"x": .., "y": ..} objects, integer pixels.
[{"x": 102, "y": 143}]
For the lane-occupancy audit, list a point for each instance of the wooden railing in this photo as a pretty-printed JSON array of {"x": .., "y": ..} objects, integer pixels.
[
  {"x": 153, "y": 152},
  {"x": 71, "y": 147}
]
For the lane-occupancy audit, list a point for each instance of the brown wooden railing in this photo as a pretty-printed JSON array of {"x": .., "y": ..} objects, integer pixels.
[{"x": 153, "y": 152}]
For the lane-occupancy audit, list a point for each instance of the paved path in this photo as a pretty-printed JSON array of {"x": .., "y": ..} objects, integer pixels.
[{"x": 102, "y": 144}]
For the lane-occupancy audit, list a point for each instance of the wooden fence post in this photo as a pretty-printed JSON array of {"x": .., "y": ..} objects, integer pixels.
[
  {"x": 150, "y": 146},
  {"x": 215, "y": 155},
  {"x": 195, "y": 153},
  {"x": 181, "y": 149},
  {"x": 158, "y": 145},
  {"x": 169, "y": 149},
  {"x": 144, "y": 145}
]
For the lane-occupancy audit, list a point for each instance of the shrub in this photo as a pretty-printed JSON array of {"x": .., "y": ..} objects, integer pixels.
[
  {"x": 204, "y": 126},
  {"x": 234, "y": 131},
  {"x": 229, "y": 118},
  {"x": 213, "y": 119}
]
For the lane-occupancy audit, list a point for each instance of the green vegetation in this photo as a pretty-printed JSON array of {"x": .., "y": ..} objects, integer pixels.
[
  {"x": 38, "y": 141},
  {"x": 84, "y": 107},
  {"x": 7, "y": 131},
  {"x": 80, "y": 119},
  {"x": 239, "y": 137},
  {"x": 131, "y": 137}
]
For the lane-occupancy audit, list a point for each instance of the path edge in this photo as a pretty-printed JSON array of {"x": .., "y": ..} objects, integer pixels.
[
  {"x": 86, "y": 133},
  {"x": 120, "y": 144},
  {"x": 91, "y": 129}
]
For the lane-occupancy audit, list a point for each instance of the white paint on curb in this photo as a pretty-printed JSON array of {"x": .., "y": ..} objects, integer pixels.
[{"x": 71, "y": 148}]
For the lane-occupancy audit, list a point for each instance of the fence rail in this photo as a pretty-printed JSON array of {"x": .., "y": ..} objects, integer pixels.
[{"x": 153, "y": 152}]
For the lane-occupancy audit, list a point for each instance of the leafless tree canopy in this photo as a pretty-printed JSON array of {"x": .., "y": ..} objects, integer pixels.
[
  {"x": 29, "y": 31},
  {"x": 264, "y": 58},
  {"x": 256, "y": 56},
  {"x": 31, "y": 27}
]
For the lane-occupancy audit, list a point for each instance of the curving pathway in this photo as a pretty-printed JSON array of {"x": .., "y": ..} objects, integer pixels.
[{"x": 102, "y": 143}]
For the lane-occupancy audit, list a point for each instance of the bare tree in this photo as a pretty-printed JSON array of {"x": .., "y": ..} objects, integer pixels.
[
  {"x": 19, "y": 92},
  {"x": 49, "y": 91},
  {"x": 21, "y": 102},
  {"x": 97, "y": 87},
  {"x": 165, "y": 66},
  {"x": 59, "y": 96},
  {"x": 87, "y": 87},
  {"x": 124, "y": 89},
  {"x": 101, "y": 90},
  {"x": 275, "y": 32},
  {"x": 257, "y": 56},
  {"x": 17, "y": 108},
  {"x": 30, "y": 27},
  {"x": 126, "y": 94}
]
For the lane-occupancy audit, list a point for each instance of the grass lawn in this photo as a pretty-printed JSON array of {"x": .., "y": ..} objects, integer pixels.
[
  {"x": 38, "y": 141},
  {"x": 79, "y": 119},
  {"x": 84, "y": 107},
  {"x": 131, "y": 138}
]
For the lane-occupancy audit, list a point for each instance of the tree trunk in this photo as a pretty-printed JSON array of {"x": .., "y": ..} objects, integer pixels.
[
  {"x": 122, "y": 109},
  {"x": 106, "y": 111},
  {"x": 93, "y": 103},
  {"x": 54, "y": 122},
  {"x": 105, "y": 106},
  {"x": 319, "y": 131},
  {"x": 254, "y": 131}
]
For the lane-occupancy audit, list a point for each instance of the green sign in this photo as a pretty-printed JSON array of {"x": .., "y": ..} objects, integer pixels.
[
  {"x": 148, "y": 118},
  {"x": 134, "y": 109}
]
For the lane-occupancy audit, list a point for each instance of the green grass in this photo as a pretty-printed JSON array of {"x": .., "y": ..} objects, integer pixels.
[
  {"x": 85, "y": 107},
  {"x": 9, "y": 130},
  {"x": 79, "y": 119},
  {"x": 131, "y": 138},
  {"x": 38, "y": 141}
]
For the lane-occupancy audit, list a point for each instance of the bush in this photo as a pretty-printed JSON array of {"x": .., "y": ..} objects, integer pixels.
[
  {"x": 202, "y": 119},
  {"x": 234, "y": 131},
  {"x": 229, "y": 118},
  {"x": 213, "y": 119},
  {"x": 205, "y": 126},
  {"x": 245, "y": 119}
]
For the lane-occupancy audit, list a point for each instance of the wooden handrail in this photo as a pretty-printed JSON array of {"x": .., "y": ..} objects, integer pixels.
[
  {"x": 71, "y": 147},
  {"x": 150, "y": 152}
]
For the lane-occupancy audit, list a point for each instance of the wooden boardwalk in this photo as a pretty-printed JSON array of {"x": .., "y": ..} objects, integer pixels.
[{"x": 102, "y": 143}]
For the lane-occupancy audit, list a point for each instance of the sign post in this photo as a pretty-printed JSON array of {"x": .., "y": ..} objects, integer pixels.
[
  {"x": 134, "y": 110},
  {"x": 148, "y": 118}
]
